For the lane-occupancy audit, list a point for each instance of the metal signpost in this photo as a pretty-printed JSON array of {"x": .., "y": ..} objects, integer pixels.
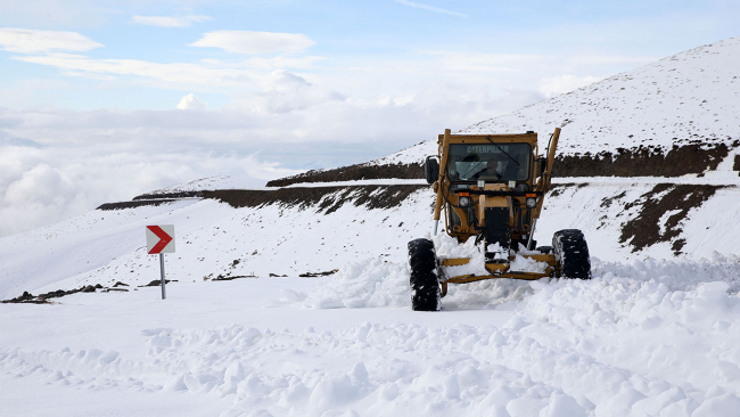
[{"x": 160, "y": 240}]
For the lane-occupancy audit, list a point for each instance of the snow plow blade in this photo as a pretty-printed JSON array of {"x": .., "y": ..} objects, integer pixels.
[{"x": 497, "y": 270}]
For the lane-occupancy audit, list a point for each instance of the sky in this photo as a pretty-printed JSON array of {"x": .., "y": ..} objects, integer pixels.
[{"x": 104, "y": 100}]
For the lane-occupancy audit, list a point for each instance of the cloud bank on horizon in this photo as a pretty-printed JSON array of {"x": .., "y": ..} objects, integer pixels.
[{"x": 103, "y": 101}]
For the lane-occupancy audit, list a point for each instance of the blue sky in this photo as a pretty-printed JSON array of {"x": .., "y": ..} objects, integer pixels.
[
  {"x": 171, "y": 91},
  {"x": 392, "y": 33}
]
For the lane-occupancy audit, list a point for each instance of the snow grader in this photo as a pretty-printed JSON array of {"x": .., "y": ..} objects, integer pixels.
[{"x": 491, "y": 188}]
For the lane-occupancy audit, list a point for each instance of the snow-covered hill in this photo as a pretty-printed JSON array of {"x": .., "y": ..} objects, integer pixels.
[
  {"x": 299, "y": 230},
  {"x": 688, "y": 98},
  {"x": 676, "y": 116}
]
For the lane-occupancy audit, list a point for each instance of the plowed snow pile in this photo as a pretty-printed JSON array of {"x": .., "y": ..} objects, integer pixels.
[{"x": 653, "y": 338}]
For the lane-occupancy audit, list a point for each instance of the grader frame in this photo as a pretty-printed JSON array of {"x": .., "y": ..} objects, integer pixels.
[{"x": 521, "y": 198}]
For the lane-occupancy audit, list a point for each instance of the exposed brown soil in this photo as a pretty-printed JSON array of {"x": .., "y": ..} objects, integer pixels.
[
  {"x": 642, "y": 162},
  {"x": 644, "y": 230},
  {"x": 328, "y": 199},
  {"x": 557, "y": 189},
  {"x": 133, "y": 204},
  {"x": 27, "y": 297},
  {"x": 182, "y": 194},
  {"x": 635, "y": 162},
  {"x": 230, "y": 277},
  {"x": 354, "y": 173},
  {"x": 157, "y": 283},
  {"x": 736, "y": 164},
  {"x": 318, "y": 274}
]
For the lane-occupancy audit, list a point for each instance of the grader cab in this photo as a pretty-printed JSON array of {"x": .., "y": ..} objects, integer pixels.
[{"x": 491, "y": 188}]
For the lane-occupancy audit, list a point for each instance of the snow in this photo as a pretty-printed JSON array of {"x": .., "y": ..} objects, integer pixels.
[
  {"x": 692, "y": 95},
  {"x": 689, "y": 96},
  {"x": 652, "y": 334},
  {"x": 523, "y": 264},
  {"x": 222, "y": 182},
  {"x": 625, "y": 343},
  {"x": 104, "y": 247},
  {"x": 385, "y": 181}
]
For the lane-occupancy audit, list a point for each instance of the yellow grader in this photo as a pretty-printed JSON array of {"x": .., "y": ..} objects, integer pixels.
[{"x": 491, "y": 188}]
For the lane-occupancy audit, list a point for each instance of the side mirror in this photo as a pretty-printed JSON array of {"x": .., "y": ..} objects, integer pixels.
[{"x": 431, "y": 168}]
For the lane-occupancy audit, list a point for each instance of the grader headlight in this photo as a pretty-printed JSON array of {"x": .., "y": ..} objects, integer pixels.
[{"x": 531, "y": 202}]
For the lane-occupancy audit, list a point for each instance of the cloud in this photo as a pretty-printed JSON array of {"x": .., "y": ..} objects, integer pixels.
[
  {"x": 552, "y": 86},
  {"x": 430, "y": 8},
  {"x": 28, "y": 41},
  {"x": 43, "y": 186},
  {"x": 58, "y": 13},
  {"x": 182, "y": 73},
  {"x": 190, "y": 102},
  {"x": 7, "y": 139},
  {"x": 611, "y": 60},
  {"x": 206, "y": 74},
  {"x": 169, "y": 21},
  {"x": 479, "y": 61},
  {"x": 247, "y": 42},
  {"x": 283, "y": 92},
  {"x": 288, "y": 124}
]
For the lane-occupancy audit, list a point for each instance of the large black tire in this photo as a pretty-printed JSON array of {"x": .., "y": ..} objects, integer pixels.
[
  {"x": 425, "y": 291},
  {"x": 545, "y": 250},
  {"x": 571, "y": 251}
]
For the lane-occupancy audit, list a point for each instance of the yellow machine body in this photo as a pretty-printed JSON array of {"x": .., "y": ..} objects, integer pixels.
[{"x": 469, "y": 201}]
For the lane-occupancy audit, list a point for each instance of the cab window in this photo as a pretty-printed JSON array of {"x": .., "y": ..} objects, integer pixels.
[{"x": 489, "y": 162}]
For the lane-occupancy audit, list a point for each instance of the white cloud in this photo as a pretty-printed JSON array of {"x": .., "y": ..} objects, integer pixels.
[
  {"x": 169, "y": 21},
  {"x": 248, "y": 42},
  {"x": 42, "y": 186},
  {"x": 611, "y": 60},
  {"x": 478, "y": 61},
  {"x": 552, "y": 86},
  {"x": 57, "y": 13},
  {"x": 93, "y": 157},
  {"x": 283, "y": 92},
  {"x": 181, "y": 73},
  {"x": 430, "y": 8},
  {"x": 207, "y": 73},
  {"x": 190, "y": 102},
  {"x": 28, "y": 41},
  {"x": 280, "y": 62}
]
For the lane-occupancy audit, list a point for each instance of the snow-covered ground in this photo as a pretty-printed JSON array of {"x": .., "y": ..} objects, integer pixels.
[
  {"x": 651, "y": 335},
  {"x": 640, "y": 339},
  {"x": 104, "y": 247}
]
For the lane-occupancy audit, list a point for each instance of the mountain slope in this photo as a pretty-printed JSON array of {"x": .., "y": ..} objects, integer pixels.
[
  {"x": 674, "y": 117},
  {"x": 688, "y": 98}
]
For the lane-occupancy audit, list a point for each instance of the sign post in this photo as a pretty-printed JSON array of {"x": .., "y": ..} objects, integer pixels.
[
  {"x": 161, "y": 271},
  {"x": 160, "y": 240}
]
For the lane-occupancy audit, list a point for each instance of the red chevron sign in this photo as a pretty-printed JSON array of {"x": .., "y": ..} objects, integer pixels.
[{"x": 160, "y": 239}]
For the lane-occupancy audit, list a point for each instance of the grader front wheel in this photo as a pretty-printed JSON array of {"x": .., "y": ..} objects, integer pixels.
[
  {"x": 571, "y": 252},
  {"x": 425, "y": 291}
]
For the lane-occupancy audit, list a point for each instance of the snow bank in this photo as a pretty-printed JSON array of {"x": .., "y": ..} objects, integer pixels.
[
  {"x": 642, "y": 338},
  {"x": 379, "y": 283},
  {"x": 369, "y": 283}
]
